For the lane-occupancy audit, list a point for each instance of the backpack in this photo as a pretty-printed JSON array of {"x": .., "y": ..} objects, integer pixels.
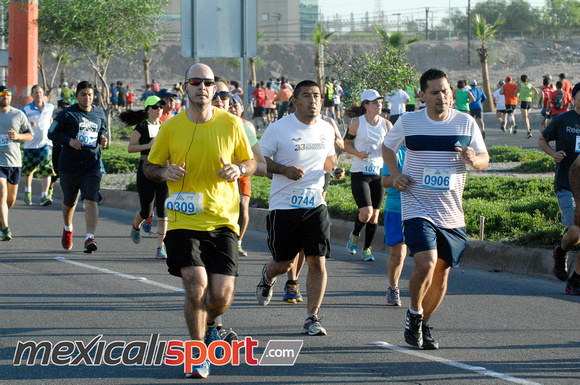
[{"x": 559, "y": 100}]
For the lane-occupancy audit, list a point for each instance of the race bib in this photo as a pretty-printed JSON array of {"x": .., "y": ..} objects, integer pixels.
[
  {"x": 4, "y": 141},
  {"x": 439, "y": 178},
  {"x": 187, "y": 203},
  {"x": 88, "y": 138},
  {"x": 153, "y": 130},
  {"x": 372, "y": 166},
  {"x": 577, "y": 146},
  {"x": 306, "y": 198}
]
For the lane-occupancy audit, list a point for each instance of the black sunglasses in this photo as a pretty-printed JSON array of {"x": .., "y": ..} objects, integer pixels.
[
  {"x": 155, "y": 107},
  {"x": 196, "y": 82},
  {"x": 223, "y": 95}
]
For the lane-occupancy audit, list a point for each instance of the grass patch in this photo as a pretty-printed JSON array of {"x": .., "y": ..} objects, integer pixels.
[
  {"x": 503, "y": 154},
  {"x": 117, "y": 160}
]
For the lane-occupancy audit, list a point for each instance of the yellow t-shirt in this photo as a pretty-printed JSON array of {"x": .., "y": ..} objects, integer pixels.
[{"x": 200, "y": 146}]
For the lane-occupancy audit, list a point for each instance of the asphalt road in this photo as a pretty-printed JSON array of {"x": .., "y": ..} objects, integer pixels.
[{"x": 493, "y": 328}]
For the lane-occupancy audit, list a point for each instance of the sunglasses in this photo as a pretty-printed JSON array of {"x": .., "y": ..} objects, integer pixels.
[
  {"x": 155, "y": 107},
  {"x": 223, "y": 95},
  {"x": 5, "y": 93},
  {"x": 196, "y": 82}
]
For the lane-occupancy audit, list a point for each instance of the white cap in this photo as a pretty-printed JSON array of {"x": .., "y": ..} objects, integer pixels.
[
  {"x": 473, "y": 82},
  {"x": 370, "y": 95},
  {"x": 65, "y": 84}
]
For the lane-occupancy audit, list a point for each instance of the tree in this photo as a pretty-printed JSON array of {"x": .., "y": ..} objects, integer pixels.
[
  {"x": 383, "y": 69},
  {"x": 320, "y": 38},
  {"x": 561, "y": 18},
  {"x": 484, "y": 33},
  {"x": 253, "y": 60},
  {"x": 148, "y": 47}
]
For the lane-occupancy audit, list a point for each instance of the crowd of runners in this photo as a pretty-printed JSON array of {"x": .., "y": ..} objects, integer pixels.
[{"x": 197, "y": 154}]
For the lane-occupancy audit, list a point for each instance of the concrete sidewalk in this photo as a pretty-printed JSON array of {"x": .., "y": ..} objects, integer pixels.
[{"x": 491, "y": 256}]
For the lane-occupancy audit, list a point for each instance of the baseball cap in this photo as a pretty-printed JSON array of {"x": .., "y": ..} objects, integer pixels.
[
  {"x": 64, "y": 84},
  {"x": 153, "y": 100},
  {"x": 236, "y": 99},
  {"x": 575, "y": 89},
  {"x": 473, "y": 82},
  {"x": 4, "y": 88},
  {"x": 548, "y": 76},
  {"x": 370, "y": 95},
  {"x": 164, "y": 93},
  {"x": 501, "y": 82},
  {"x": 508, "y": 79}
]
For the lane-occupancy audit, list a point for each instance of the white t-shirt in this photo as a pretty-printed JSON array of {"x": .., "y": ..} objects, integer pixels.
[
  {"x": 290, "y": 142},
  {"x": 430, "y": 159},
  {"x": 397, "y": 99},
  {"x": 43, "y": 121},
  {"x": 369, "y": 139},
  {"x": 500, "y": 99}
]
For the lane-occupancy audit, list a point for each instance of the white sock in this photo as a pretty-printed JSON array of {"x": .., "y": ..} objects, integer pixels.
[
  {"x": 42, "y": 194},
  {"x": 26, "y": 189},
  {"x": 415, "y": 312},
  {"x": 68, "y": 228},
  {"x": 90, "y": 235}
]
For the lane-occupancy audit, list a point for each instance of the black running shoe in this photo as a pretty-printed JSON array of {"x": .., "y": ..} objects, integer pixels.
[
  {"x": 560, "y": 265},
  {"x": 428, "y": 342},
  {"x": 413, "y": 333},
  {"x": 573, "y": 286}
]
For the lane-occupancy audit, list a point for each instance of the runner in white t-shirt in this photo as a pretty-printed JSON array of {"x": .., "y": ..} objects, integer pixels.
[
  {"x": 440, "y": 142},
  {"x": 299, "y": 148}
]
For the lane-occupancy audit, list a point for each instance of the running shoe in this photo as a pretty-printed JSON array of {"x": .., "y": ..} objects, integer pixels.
[
  {"x": 352, "y": 243},
  {"x": 90, "y": 245},
  {"x": 212, "y": 335},
  {"x": 428, "y": 342},
  {"x": 393, "y": 296},
  {"x": 199, "y": 371},
  {"x": 228, "y": 335},
  {"x": 413, "y": 330},
  {"x": 27, "y": 198},
  {"x": 312, "y": 326},
  {"x": 529, "y": 135},
  {"x": 146, "y": 226},
  {"x": 67, "y": 237},
  {"x": 6, "y": 234},
  {"x": 264, "y": 291},
  {"x": 573, "y": 286},
  {"x": 161, "y": 253},
  {"x": 560, "y": 269},
  {"x": 483, "y": 134},
  {"x": 45, "y": 200},
  {"x": 241, "y": 251},
  {"x": 515, "y": 129},
  {"x": 502, "y": 127},
  {"x": 49, "y": 193},
  {"x": 292, "y": 293},
  {"x": 367, "y": 255},
  {"x": 135, "y": 234}
]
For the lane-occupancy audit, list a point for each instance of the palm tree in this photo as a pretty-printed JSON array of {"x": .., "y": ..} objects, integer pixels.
[
  {"x": 148, "y": 48},
  {"x": 320, "y": 38},
  {"x": 395, "y": 39},
  {"x": 485, "y": 32}
]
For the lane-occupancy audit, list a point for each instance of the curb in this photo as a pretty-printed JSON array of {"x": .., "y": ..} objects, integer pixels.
[{"x": 486, "y": 255}]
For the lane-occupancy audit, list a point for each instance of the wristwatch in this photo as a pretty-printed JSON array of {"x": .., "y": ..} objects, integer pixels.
[{"x": 242, "y": 170}]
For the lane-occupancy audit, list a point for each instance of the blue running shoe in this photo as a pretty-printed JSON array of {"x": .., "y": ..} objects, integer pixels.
[
  {"x": 199, "y": 371},
  {"x": 292, "y": 293},
  {"x": 212, "y": 335},
  {"x": 352, "y": 243},
  {"x": 146, "y": 226}
]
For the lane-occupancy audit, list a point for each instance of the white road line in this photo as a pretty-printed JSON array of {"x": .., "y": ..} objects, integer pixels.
[
  {"x": 131, "y": 277},
  {"x": 477, "y": 369}
]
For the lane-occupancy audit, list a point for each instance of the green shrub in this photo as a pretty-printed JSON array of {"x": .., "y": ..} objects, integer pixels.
[
  {"x": 117, "y": 160},
  {"x": 503, "y": 154},
  {"x": 543, "y": 164}
]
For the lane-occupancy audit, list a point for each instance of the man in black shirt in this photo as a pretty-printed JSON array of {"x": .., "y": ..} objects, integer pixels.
[
  {"x": 565, "y": 130},
  {"x": 80, "y": 129}
]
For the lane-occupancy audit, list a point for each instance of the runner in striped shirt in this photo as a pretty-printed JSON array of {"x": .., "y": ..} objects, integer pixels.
[{"x": 440, "y": 142}]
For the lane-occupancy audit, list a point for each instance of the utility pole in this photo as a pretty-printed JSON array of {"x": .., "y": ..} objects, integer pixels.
[
  {"x": 469, "y": 33},
  {"x": 426, "y": 23}
]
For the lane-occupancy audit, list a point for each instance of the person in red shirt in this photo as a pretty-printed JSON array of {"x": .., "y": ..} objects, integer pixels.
[
  {"x": 511, "y": 102},
  {"x": 566, "y": 85},
  {"x": 260, "y": 96},
  {"x": 565, "y": 102},
  {"x": 545, "y": 93}
]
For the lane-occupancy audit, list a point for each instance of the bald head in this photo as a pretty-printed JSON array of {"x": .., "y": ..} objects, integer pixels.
[{"x": 199, "y": 70}]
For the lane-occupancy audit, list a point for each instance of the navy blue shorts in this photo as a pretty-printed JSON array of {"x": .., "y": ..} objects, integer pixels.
[
  {"x": 423, "y": 235},
  {"x": 11, "y": 174},
  {"x": 89, "y": 185}
]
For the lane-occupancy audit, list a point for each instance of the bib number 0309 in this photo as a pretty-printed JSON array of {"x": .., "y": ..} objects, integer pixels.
[{"x": 187, "y": 203}]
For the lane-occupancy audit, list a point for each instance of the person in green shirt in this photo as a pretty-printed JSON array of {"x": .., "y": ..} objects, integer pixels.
[
  {"x": 462, "y": 97},
  {"x": 527, "y": 92}
]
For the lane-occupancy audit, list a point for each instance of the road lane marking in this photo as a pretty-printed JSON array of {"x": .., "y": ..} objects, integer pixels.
[
  {"x": 122, "y": 275},
  {"x": 460, "y": 365}
]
